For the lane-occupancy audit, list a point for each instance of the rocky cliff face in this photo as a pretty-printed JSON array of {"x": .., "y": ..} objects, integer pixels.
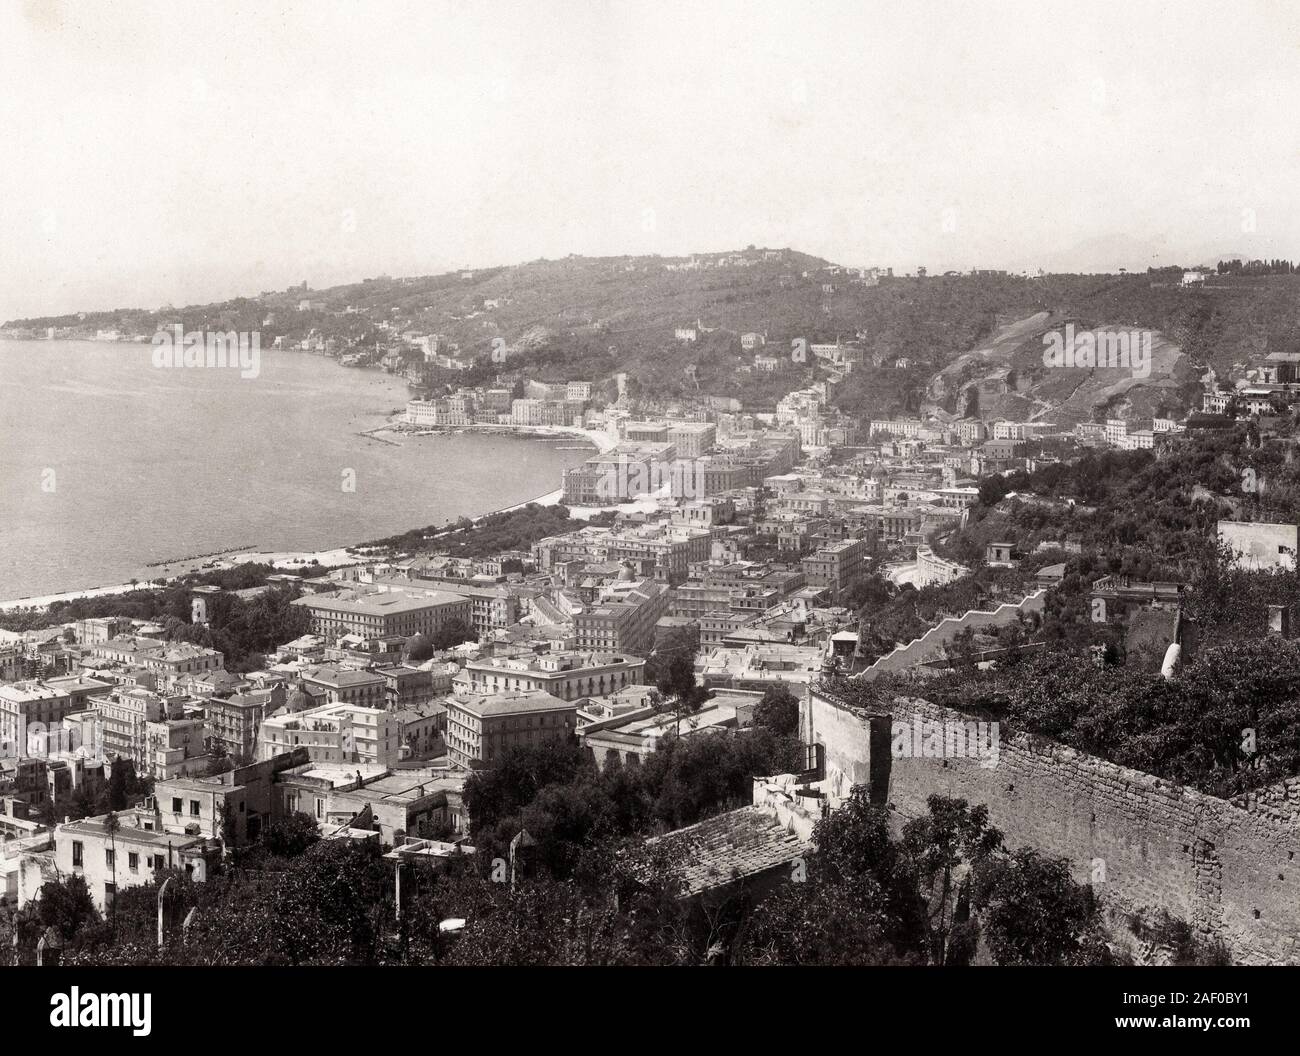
[{"x": 1129, "y": 373}]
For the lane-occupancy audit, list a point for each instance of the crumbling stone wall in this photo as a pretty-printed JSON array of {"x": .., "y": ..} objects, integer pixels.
[
  {"x": 1280, "y": 802},
  {"x": 1228, "y": 868}
]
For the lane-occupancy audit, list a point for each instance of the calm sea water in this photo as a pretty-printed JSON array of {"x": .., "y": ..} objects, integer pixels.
[{"x": 108, "y": 463}]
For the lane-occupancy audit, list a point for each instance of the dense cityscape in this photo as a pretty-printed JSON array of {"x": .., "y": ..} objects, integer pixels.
[
  {"x": 607, "y": 485},
  {"x": 744, "y": 629}
]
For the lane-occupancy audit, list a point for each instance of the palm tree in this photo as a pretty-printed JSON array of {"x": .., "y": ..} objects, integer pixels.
[{"x": 111, "y": 825}]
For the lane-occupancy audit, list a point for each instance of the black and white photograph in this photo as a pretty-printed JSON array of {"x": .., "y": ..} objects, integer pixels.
[{"x": 611, "y": 484}]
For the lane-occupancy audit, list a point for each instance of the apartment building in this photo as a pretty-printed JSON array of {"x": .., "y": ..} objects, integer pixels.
[
  {"x": 531, "y": 411},
  {"x": 717, "y": 474},
  {"x": 491, "y": 606},
  {"x": 705, "y": 513},
  {"x": 175, "y": 748},
  {"x": 13, "y": 661},
  {"x": 906, "y": 427},
  {"x": 171, "y": 664},
  {"x": 610, "y": 477},
  {"x": 481, "y": 728},
  {"x": 624, "y": 620},
  {"x": 661, "y": 552},
  {"x": 458, "y": 410},
  {"x": 1215, "y": 402},
  {"x": 971, "y": 432},
  {"x": 25, "y": 706},
  {"x": 233, "y": 722},
  {"x": 408, "y": 687},
  {"x": 344, "y": 686},
  {"x": 692, "y": 439},
  {"x": 836, "y": 567},
  {"x": 337, "y": 733},
  {"x": 131, "y": 853},
  {"x": 177, "y": 662},
  {"x": 692, "y": 600},
  {"x": 124, "y": 718},
  {"x": 97, "y": 629},
  {"x": 384, "y": 614},
  {"x": 563, "y": 675},
  {"x": 716, "y": 627},
  {"x": 645, "y": 432},
  {"x": 233, "y": 806}
]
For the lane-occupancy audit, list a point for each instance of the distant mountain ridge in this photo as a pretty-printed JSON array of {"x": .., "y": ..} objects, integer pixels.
[{"x": 673, "y": 326}]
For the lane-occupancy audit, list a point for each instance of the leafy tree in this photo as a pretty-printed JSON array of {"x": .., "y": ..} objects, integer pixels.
[
  {"x": 927, "y": 898},
  {"x": 453, "y": 633},
  {"x": 1192, "y": 730},
  {"x": 628, "y": 913},
  {"x": 493, "y": 795},
  {"x": 679, "y": 643},
  {"x": 291, "y": 836},
  {"x": 826, "y": 922},
  {"x": 83, "y": 803},
  {"x": 220, "y": 762},
  {"x": 778, "y": 711},
  {"x": 942, "y": 844},
  {"x": 64, "y": 904},
  {"x": 117, "y": 784},
  {"x": 329, "y": 906},
  {"x": 420, "y": 651},
  {"x": 1032, "y": 912},
  {"x": 112, "y": 825}
]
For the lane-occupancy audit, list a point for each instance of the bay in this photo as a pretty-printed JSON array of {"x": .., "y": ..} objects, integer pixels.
[{"x": 108, "y": 463}]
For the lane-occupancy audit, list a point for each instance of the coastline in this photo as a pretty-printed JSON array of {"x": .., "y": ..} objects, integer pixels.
[
  {"x": 289, "y": 560},
  {"x": 159, "y": 570},
  {"x": 601, "y": 441},
  {"x": 284, "y": 561}
]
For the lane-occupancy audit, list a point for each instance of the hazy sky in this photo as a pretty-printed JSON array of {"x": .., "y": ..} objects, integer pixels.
[{"x": 179, "y": 153}]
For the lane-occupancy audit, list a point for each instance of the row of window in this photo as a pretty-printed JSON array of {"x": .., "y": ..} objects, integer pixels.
[{"x": 132, "y": 858}]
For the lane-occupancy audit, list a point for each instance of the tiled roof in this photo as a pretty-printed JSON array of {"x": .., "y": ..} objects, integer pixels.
[{"x": 729, "y": 847}]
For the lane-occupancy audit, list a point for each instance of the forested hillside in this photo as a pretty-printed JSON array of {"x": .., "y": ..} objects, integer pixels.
[{"x": 594, "y": 318}]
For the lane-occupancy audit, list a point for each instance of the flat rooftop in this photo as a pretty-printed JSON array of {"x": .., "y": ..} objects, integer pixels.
[
  {"x": 127, "y": 832},
  {"x": 483, "y": 704},
  {"x": 387, "y": 604}
]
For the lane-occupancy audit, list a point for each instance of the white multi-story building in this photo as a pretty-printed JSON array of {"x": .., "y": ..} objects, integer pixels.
[
  {"x": 335, "y": 733},
  {"x": 907, "y": 427},
  {"x": 1140, "y": 440},
  {"x": 796, "y": 406},
  {"x": 563, "y": 675}
]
